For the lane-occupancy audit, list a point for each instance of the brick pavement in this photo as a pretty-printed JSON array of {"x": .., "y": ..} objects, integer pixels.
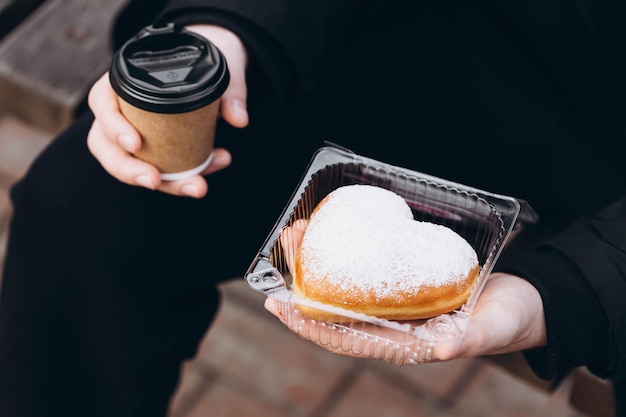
[{"x": 250, "y": 364}]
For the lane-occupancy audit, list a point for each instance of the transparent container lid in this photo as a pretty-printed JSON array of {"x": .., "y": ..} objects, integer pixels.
[{"x": 484, "y": 219}]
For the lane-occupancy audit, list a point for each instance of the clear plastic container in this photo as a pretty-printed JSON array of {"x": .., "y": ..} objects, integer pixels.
[{"x": 484, "y": 219}]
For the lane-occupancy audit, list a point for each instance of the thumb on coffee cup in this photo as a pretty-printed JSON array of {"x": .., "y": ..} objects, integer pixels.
[
  {"x": 234, "y": 111},
  {"x": 234, "y": 100}
]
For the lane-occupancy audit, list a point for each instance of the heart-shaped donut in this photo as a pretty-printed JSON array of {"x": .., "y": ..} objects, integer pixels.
[{"x": 363, "y": 251}]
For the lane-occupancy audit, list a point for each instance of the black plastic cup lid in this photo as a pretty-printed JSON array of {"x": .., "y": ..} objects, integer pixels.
[{"x": 168, "y": 69}]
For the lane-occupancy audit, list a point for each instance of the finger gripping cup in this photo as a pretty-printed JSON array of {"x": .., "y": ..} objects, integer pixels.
[{"x": 169, "y": 82}]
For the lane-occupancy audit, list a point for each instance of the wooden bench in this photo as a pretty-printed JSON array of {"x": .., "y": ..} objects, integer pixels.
[
  {"x": 51, "y": 58},
  {"x": 51, "y": 52}
]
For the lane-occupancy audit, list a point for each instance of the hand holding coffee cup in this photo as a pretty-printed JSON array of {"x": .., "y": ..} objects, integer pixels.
[{"x": 169, "y": 83}]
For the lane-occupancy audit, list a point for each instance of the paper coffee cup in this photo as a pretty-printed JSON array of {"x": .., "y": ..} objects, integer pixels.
[{"x": 169, "y": 82}]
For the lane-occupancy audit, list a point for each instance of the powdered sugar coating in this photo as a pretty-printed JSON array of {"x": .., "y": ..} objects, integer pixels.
[{"x": 364, "y": 239}]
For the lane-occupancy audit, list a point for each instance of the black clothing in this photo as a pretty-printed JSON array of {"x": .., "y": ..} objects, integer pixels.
[
  {"x": 519, "y": 99},
  {"x": 542, "y": 79}
]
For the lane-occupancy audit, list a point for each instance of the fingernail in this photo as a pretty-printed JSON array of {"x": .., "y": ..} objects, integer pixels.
[
  {"x": 126, "y": 142},
  {"x": 144, "y": 181},
  {"x": 240, "y": 109},
  {"x": 190, "y": 190}
]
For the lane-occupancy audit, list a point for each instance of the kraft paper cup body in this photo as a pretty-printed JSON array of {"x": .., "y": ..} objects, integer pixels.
[
  {"x": 174, "y": 143},
  {"x": 169, "y": 83}
]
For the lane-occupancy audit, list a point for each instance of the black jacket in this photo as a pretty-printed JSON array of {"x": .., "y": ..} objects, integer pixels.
[{"x": 570, "y": 133}]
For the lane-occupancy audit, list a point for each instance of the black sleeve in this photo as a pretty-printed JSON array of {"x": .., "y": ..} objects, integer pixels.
[
  {"x": 581, "y": 276},
  {"x": 288, "y": 39},
  {"x": 131, "y": 18},
  {"x": 574, "y": 39}
]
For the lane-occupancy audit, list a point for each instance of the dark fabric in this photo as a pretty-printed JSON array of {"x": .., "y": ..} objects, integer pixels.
[
  {"x": 604, "y": 253},
  {"x": 458, "y": 89},
  {"x": 76, "y": 324},
  {"x": 132, "y": 18},
  {"x": 566, "y": 320},
  {"x": 306, "y": 31}
]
